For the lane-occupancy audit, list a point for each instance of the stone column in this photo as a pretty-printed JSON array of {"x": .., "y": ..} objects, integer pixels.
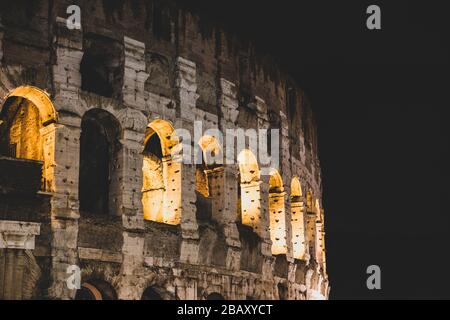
[
  {"x": 19, "y": 271},
  {"x": 310, "y": 230},
  {"x": 320, "y": 245},
  {"x": 135, "y": 74},
  {"x": 266, "y": 246},
  {"x": 286, "y": 174},
  {"x": 66, "y": 150},
  {"x": 186, "y": 99},
  {"x": 126, "y": 195},
  {"x": 298, "y": 227},
  {"x": 229, "y": 110}
]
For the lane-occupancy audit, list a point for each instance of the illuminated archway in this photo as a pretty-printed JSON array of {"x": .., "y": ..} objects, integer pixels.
[
  {"x": 209, "y": 179},
  {"x": 277, "y": 214},
  {"x": 161, "y": 190},
  {"x": 27, "y": 128},
  {"x": 298, "y": 219},
  {"x": 250, "y": 197}
]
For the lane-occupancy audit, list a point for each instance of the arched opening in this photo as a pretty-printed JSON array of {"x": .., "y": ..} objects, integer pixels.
[
  {"x": 151, "y": 294},
  {"x": 277, "y": 214},
  {"x": 26, "y": 120},
  {"x": 102, "y": 66},
  {"x": 99, "y": 150},
  {"x": 298, "y": 219},
  {"x": 96, "y": 290},
  {"x": 215, "y": 297},
  {"x": 208, "y": 179},
  {"x": 250, "y": 198},
  {"x": 161, "y": 190}
]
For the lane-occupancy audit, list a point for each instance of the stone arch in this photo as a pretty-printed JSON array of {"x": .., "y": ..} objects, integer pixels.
[
  {"x": 156, "y": 292},
  {"x": 27, "y": 125},
  {"x": 102, "y": 66},
  {"x": 99, "y": 162},
  {"x": 298, "y": 219},
  {"x": 96, "y": 289},
  {"x": 161, "y": 188},
  {"x": 250, "y": 196},
  {"x": 151, "y": 293},
  {"x": 208, "y": 178},
  {"x": 214, "y": 296},
  {"x": 277, "y": 214}
]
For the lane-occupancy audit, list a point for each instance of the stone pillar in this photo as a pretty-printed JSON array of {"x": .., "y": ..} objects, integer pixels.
[
  {"x": 266, "y": 246},
  {"x": 66, "y": 71},
  {"x": 19, "y": 271},
  {"x": 65, "y": 168},
  {"x": 186, "y": 99},
  {"x": 320, "y": 245},
  {"x": 310, "y": 230},
  {"x": 298, "y": 228},
  {"x": 229, "y": 110},
  {"x": 126, "y": 189},
  {"x": 135, "y": 74},
  {"x": 286, "y": 174}
]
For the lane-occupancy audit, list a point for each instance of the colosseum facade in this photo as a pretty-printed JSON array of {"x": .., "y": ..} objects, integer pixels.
[{"x": 88, "y": 177}]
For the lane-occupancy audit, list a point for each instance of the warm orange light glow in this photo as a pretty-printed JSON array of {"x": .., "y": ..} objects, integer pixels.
[
  {"x": 250, "y": 189},
  {"x": 210, "y": 148},
  {"x": 298, "y": 219},
  {"x": 320, "y": 239},
  {"x": 277, "y": 214},
  {"x": 162, "y": 177},
  {"x": 31, "y": 123}
]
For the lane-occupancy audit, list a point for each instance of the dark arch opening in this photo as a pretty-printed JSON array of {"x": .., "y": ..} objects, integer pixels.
[
  {"x": 151, "y": 294},
  {"x": 153, "y": 146},
  {"x": 99, "y": 146},
  {"x": 96, "y": 290},
  {"x": 215, "y": 297},
  {"x": 102, "y": 66}
]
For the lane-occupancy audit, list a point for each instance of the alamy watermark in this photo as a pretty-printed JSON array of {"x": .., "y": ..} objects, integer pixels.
[
  {"x": 374, "y": 20},
  {"x": 374, "y": 280},
  {"x": 264, "y": 144}
]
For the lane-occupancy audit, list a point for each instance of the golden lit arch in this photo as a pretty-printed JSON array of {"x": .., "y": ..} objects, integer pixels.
[
  {"x": 298, "y": 219},
  {"x": 166, "y": 134},
  {"x": 210, "y": 148},
  {"x": 161, "y": 191},
  {"x": 27, "y": 131},
  {"x": 277, "y": 214},
  {"x": 248, "y": 167},
  {"x": 40, "y": 99},
  {"x": 250, "y": 202},
  {"x": 296, "y": 187}
]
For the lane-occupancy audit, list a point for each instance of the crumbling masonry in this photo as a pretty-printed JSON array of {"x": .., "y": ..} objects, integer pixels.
[{"x": 87, "y": 176}]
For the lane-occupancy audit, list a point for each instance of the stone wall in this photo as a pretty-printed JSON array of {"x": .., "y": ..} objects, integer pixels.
[{"x": 158, "y": 68}]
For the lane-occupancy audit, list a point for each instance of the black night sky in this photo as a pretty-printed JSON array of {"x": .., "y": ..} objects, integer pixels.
[{"x": 382, "y": 102}]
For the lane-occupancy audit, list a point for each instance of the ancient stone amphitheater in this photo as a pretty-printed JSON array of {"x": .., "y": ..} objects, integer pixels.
[{"x": 88, "y": 180}]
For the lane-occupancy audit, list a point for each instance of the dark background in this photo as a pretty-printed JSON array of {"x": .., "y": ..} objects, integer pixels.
[{"x": 381, "y": 98}]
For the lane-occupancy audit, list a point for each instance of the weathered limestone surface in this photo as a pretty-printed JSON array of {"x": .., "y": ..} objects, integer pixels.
[{"x": 174, "y": 70}]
